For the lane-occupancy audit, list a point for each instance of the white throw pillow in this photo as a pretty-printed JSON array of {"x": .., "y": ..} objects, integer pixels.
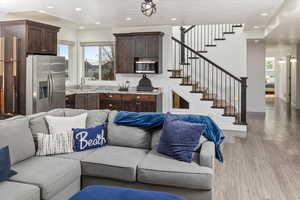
[
  {"x": 58, "y": 125},
  {"x": 54, "y": 144}
]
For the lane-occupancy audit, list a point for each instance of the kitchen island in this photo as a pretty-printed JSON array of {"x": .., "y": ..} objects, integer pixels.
[{"x": 109, "y": 97}]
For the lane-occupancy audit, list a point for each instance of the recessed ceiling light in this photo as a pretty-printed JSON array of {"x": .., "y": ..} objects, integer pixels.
[
  {"x": 50, "y": 7},
  {"x": 264, "y": 14},
  {"x": 78, "y": 9},
  {"x": 42, "y": 11},
  {"x": 98, "y": 23},
  {"x": 128, "y": 19},
  {"x": 173, "y": 19},
  {"x": 81, "y": 27},
  {"x": 256, "y": 41},
  {"x": 256, "y": 27}
]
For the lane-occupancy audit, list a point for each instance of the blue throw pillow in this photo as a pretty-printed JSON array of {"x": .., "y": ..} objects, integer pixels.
[
  {"x": 89, "y": 138},
  {"x": 5, "y": 171},
  {"x": 179, "y": 139}
]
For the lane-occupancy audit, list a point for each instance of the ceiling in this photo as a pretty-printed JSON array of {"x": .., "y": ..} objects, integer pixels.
[
  {"x": 285, "y": 26},
  {"x": 113, "y": 13}
]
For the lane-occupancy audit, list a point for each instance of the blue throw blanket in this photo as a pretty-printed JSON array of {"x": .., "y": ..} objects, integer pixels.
[{"x": 153, "y": 120}]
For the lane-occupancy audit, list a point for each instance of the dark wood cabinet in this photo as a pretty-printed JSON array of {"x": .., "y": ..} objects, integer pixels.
[
  {"x": 120, "y": 102},
  {"x": 80, "y": 101},
  {"x": 134, "y": 46},
  {"x": 111, "y": 101},
  {"x": 41, "y": 39},
  {"x": 32, "y": 38},
  {"x": 70, "y": 101},
  {"x": 125, "y": 55},
  {"x": 92, "y": 101},
  {"x": 35, "y": 38}
]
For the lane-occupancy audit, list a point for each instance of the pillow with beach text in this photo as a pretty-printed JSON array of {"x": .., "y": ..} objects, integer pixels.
[{"x": 89, "y": 138}]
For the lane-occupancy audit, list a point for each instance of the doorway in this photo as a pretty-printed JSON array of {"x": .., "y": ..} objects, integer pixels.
[{"x": 270, "y": 79}]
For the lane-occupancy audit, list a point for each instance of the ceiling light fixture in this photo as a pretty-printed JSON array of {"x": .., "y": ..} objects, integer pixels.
[
  {"x": 98, "y": 23},
  {"x": 173, "y": 19},
  {"x": 128, "y": 18},
  {"x": 78, "y": 9},
  {"x": 264, "y": 14},
  {"x": 81, "y": 27},
  {"x": 50, "y": 7},
  {"x": 256, "y": 27},
  {"x": 148, "y": 8}
]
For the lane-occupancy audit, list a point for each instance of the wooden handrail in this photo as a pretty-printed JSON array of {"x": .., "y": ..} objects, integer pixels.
[{"x": 206, "y": 59}]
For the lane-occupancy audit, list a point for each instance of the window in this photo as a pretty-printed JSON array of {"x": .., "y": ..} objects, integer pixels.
[
  {"x": 65, "y": 50},
  {"x": 99, "y": 62}
]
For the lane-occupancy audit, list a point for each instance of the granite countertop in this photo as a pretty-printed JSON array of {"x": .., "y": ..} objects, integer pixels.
[{"x": 107, "y": 89}]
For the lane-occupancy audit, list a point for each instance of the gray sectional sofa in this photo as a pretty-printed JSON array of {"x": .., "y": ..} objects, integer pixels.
[{"x": 130, "y": 159}]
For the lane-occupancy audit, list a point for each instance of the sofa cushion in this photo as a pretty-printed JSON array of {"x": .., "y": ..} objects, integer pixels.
[
  {"x": 179, "y": 139},
  {"x": 19, "y": 191},
  {"x": 125, "y": 135},
  {"x": 38, "y": 122},
  {"x": 59, "y": 125},
  {"x": 76, "y": 155},
  {"x": 16, "y": 134},
  {"x": 74, "y": 112},
  {"x": 94, "y": 118},
  {"x": 113, "y": 162},
  {"x": 5, "y": 166},
  {"x": 51, "y": 174},
  {"x": 159, "y": 169}
]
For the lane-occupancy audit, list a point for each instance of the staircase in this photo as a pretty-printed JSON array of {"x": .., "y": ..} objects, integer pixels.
[{"x": 204, "y": 77}]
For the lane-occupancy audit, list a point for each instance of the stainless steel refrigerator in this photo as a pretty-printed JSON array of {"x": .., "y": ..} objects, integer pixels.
[{"x": 45, "y": 83}]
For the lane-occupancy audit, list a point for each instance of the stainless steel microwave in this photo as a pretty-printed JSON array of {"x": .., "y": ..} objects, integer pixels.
[{"x": 146, "y": 67}]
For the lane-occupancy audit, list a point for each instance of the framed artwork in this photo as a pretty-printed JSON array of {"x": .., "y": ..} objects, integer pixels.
[{"x": 270, "y": 64}]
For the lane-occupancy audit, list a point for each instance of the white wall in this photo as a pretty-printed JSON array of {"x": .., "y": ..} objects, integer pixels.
[{"x": 256, "y": 76}]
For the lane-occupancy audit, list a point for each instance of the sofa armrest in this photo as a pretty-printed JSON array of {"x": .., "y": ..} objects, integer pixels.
[{"x": 207, "y": 154}]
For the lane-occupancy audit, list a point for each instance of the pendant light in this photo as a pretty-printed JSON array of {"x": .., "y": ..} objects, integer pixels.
[{"x": 148, "y": 8}]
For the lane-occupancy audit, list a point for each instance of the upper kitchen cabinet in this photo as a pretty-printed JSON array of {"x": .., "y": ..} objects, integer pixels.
[
  {"x": 125, "y": 46},
  {"x": 37, "y": 38},
  {"x": 41, "y": 39},
  {"x": 136, "y": 51}
]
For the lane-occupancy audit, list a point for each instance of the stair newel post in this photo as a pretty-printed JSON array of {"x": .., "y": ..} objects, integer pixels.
[
  {"x": 244, "y": 100},
  {"x": 182, "y": 38}
]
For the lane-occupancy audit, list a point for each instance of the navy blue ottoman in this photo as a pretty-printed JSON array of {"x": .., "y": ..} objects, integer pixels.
[{"x": 119, "y": 193}]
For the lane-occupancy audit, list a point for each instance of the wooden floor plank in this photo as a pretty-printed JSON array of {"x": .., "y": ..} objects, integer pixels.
[{"x": 266, "y": 164}]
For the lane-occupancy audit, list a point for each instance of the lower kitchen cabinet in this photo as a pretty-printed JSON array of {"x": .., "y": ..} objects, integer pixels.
[{"x": 121, "y": 102}]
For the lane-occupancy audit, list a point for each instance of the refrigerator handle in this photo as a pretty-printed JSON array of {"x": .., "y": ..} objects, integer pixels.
[
  {"x": 49, "y": 88},
  {"x": 52, "y": 86}
]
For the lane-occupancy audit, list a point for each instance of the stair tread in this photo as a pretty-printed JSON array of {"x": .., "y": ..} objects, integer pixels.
[
  {"x": 174, "y": 70},
  {"x": 185, "y": 63},
  {"x": 237, "y": 26},
  {"x": 210, "y": 45},
  {"x": 229, "y": 32},
  {"x": 220, "y": 39},
  {"x": 202, "y": 51},
  {"x": 193, "y": 57}
]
